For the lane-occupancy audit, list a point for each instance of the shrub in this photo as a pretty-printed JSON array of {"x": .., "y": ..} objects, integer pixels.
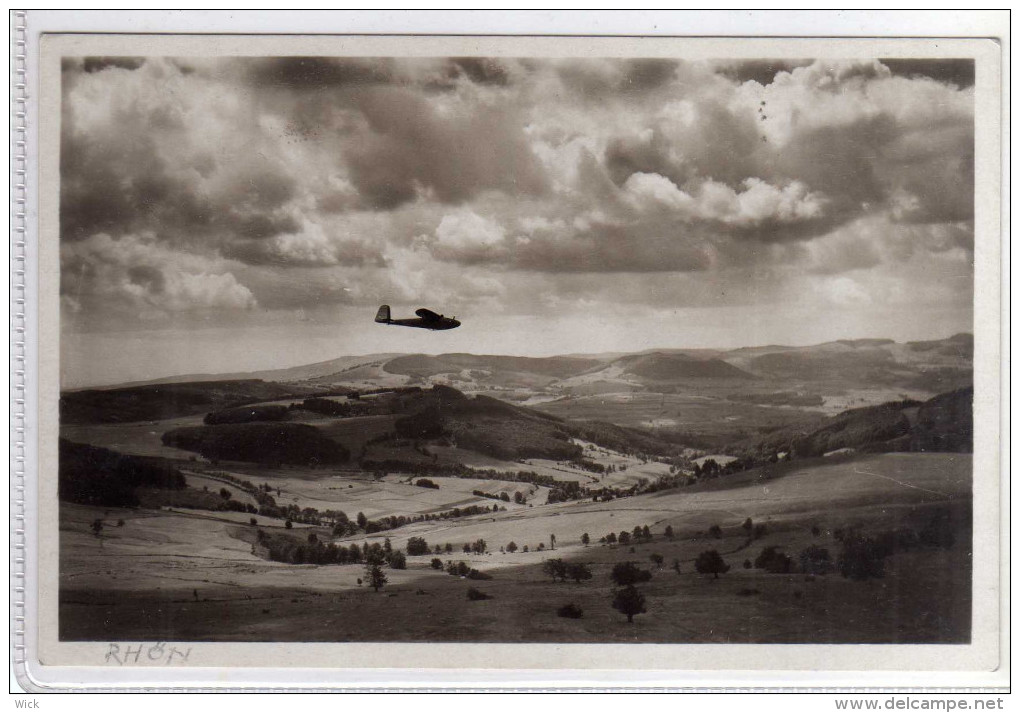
[
  {"x": 656, "y": 558},
  {"x": 475, "y": 574},
  {"x": 570, "y": 611},
  {"x": 288, "y": 524},
  {"x": 626, "y": 574},
  {"x": 436, "y": 563},
  {"x": 773, "y": 561},
  {"x": 397, "y": 560},
  {"x": 715, "y": 531},
  {"x": 475, "y": 595},
  {"x": 426, "y": 483},
  {"x": 512, "y": 547},
  {"x": 711, "y": 562},
  {"x": 253, "y": 521}
]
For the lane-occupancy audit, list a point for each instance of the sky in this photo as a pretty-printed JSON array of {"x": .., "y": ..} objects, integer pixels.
[{"x": 232, "y": 214}]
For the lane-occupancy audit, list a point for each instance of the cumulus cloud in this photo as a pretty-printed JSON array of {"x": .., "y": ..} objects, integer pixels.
[{"x": 317, "y": 184}]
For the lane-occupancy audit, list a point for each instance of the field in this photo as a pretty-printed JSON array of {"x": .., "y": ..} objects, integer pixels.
[{"x": 168, "y": 575}]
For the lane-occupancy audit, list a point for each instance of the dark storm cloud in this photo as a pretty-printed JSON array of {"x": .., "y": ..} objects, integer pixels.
[
  {"x": 619, "y": 77},
  {"x": 148, "y": 277},
  {"x": 97, "y": 64},
  {"x": 319, "y": 72},
  {"x": 762, "y": 71},
  {"x": 718, "y": 143},
  {"x": 413, "y": 150},
  {"x": 481, "y": 70},
  {"x": 959, "y": 72}
]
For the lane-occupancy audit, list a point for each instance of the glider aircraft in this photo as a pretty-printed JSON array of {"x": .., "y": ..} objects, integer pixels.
[{"x": 427, "y": 319}]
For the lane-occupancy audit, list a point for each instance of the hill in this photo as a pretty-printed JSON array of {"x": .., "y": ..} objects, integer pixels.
[
  {"x": 941, "y": 424},
  {"x": 660, "y": 366},
  {"x": 161, "y": 401}
]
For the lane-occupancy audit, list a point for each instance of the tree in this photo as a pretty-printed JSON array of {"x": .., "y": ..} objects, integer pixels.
[
  {"x": 629, "y": 601},
  {"x": 374, "y": 574},
  {"x": 578, "y": 571},
  {"x": 711, "y": 562},
  {"x": 552, "y": 542},
  {"x": 436, "y": 563},
  {"x": 519, "y": 498},
  {"x": 657, "y": 559},
  {"x": 646, "y": 533},
  {"x": 715, "y": 531},
  {"x": 448, "y": 548},
  {"x": 611, "y": 538},
  {"x": 397, "y": 560},
  {"x": 467, "y": 548},
  {"x": 585, "y": 539},
  {"x": 638, "y": 533},
  {"x": 362, "y": 520},
  {"x": 748, "y": 526},
  {"x": 773, "y": 561},
  {"x": 288, "y": 524},
  {"x": 417, "y": 546},
  {"x": 555, "y": 568},
  {"x": 253, "y": 521},
  {"x": 624, "y": 537},
  {"x": 628, "y": 573},
  {"x": 387, "y": 546},
  {"x": 512, "y": 547},
  {"x": 669, "y": 532},
  {"x": 225, "y": 494},
  {"x": 676, "y": 566},
  {"x": 312, "y": 538}
]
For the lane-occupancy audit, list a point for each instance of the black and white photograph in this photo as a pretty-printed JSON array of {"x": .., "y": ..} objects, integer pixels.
[{"x": 517, "y": 349}]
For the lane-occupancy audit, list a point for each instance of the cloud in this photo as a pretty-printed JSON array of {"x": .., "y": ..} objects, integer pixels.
[
  {"x": 193, "y": 188},
  {"x": 958, "y": 72},
  {"x": 449, "y": 153},
  {"x": 139, "y": 278}
]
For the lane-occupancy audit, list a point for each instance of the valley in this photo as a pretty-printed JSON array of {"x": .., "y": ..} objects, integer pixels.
[{"x": 242, "y": 509}]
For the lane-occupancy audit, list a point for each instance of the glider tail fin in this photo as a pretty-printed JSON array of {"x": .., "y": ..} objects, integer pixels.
[{"x": 383, "y": 315}]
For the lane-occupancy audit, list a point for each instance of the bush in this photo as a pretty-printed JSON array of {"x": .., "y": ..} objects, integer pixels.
[
  {"x": 475, "y": 595},
  {"x": 711, "y": 562},
  {"x": 426, "y": 483},
  {"x": 626, "y": 574},
  {"x": 512, "y": 547},
  {"x": 570, "y": 611},
  {"x": 476, "y": 574},
  {"x": 436, "y": 563},
  {"x": 773, "y": 561},
  {"x": 715, "y": 531},
  {"x": 397, "y": 560}
]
